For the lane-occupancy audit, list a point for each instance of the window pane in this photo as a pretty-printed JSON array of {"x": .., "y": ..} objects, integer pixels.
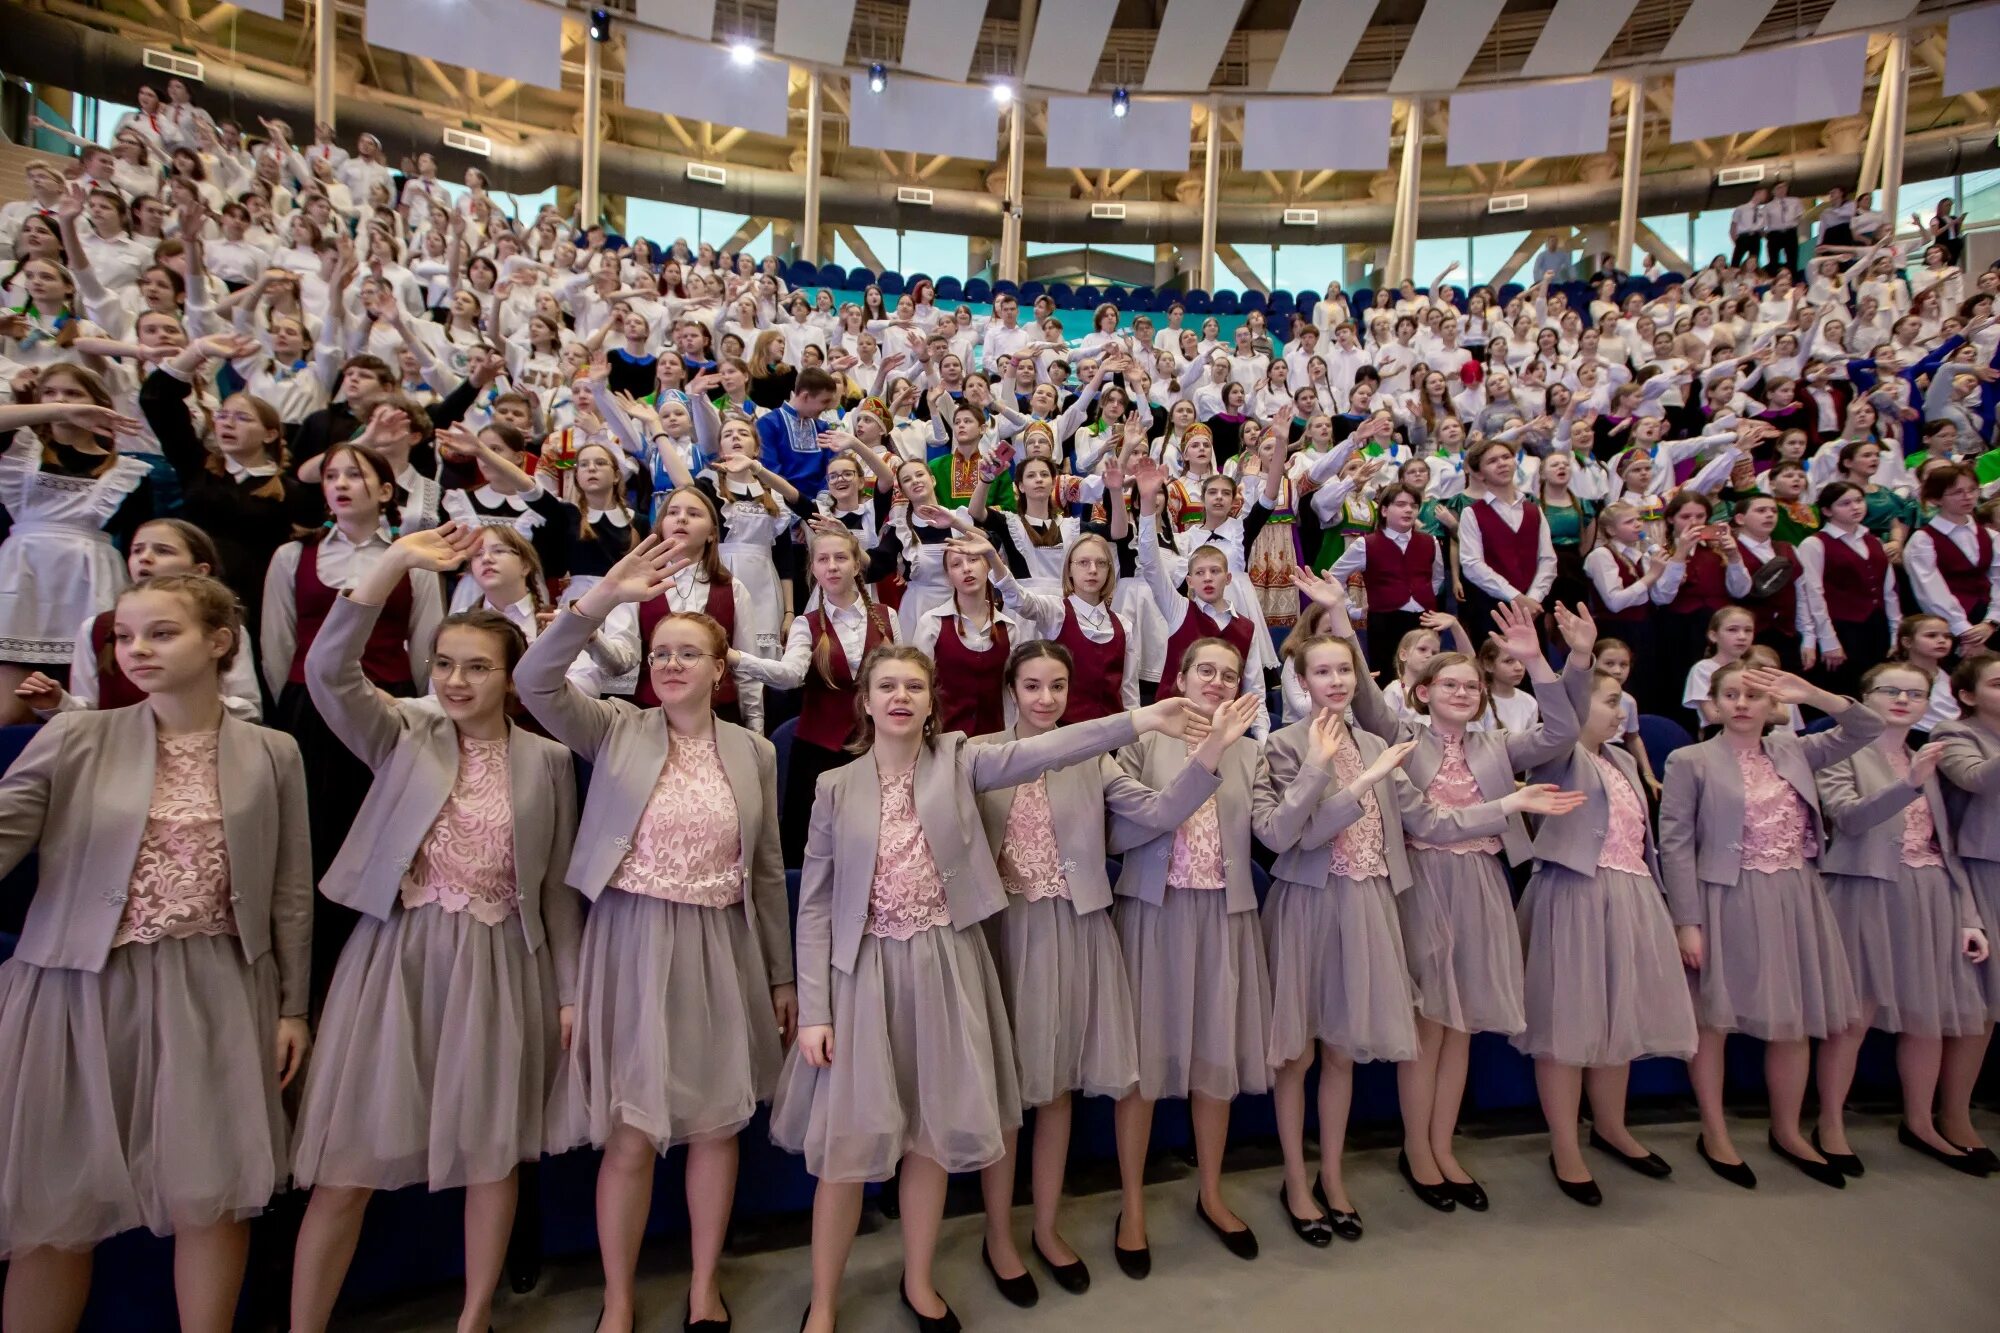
[
  {"x": 1309, "y": 268},
  {"x": 1490, "y": 252},
  {"x": 1982, "y": 196},
  {"x": 663, "y": 223},
  {"x": 1430, "y": 256},
  {"x": 1671, "y": 228},
  {"x": 1711, "y": 237}
]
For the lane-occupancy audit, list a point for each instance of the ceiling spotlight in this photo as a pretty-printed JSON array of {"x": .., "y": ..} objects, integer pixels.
[
  {"x": 742, "y": 53},
  {"x": 1121, "y": 102},
  {"x": 878, "y": 77},
  {"x": 600, "y": 25},
  {"x": 1002, "y": 94}
]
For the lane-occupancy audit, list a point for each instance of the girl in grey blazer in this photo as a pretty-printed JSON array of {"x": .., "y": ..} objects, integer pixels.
[
  {"x": 454, "y": 993},
  {"x": 1969, "y": 765},
  {"x": 163, "y": 962},
  {"x": 1740, "y": 836},
  {"x": 904, "y": 1063}
]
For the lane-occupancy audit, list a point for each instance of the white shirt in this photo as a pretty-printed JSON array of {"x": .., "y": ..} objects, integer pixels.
[
  {"x": 1517, "y": 712},
  {"x": 1766, "y": 552},
  {"x": 1920, "y": 560},
  {"x": 1746, "y": 220},
  {"x": 1812, "y": 559},
  {"x": 1002, "y": 341},
  {"x": 1735, "y": 581},
  {"x": 1472, "y": 553},
  {"x": 1047, "y": 614},
  {"x": 788, "y": 670}
]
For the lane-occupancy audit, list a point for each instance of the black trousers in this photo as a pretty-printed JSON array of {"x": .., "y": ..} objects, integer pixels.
[
  {"x": 1385, "y": 631},
  {"x": 1750, "y": 246},
  {"x": 1783, "y": 248}
]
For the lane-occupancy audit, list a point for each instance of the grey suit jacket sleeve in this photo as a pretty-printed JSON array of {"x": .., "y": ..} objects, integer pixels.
[
  {"x": 1677, "y": 845},
  {"x": 767, "y": 877},
  {"x": 562, "y": 906},
  {"x": 1371, "y": 709},
  {"x": 1859, "y": 725},
  {"x": 1011, "y": 763},
  {"x": 354, "y": 709},
  {"x": 1558, "y": 729},
  {"x": 1139, "y": 814},
  {"x": 1964, "y": 768},
  {"x": 1847, "y": 810},
  {"x": 542, "y": 680},
  {"x": 815, "y": 925},
  {"x": 1286, "y": 805},
  {"x": 24, "y": 792},
  {"x": 292, "y": 885},
  {"x": 1428, "y": 821}
]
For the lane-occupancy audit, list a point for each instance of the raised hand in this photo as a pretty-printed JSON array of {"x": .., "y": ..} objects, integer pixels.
[
  {"x": 1542, "y": 798},
  {"x": 1516, "y": 632},
  {"x": 1328, "y": 592},
  {"x": 1170, "y": 717},
  {"x": 438, "y": 549},
  {"x": 1924, "y": 763},
  {"x": 1781, "y": 685},
  {"x": 1388, "y": 762},
  {"x": 1323, "y": 738},
  {"x": 1230, "y": 724},
  {"x": 39, "y": 692},
  {"x": 99, "y": 420},
  {"x": 643, "y": 574},
  {"x": 1577, "y": 627}
]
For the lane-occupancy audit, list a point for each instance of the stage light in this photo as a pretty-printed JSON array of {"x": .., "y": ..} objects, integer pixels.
[
  {"x": 1121, "y": 102},
  {"x": 878, "y": 77},
  {"x": 1002, "y": 94},
  {"x": 742, "y": 53},
  {"x": 600, "y": 25}
]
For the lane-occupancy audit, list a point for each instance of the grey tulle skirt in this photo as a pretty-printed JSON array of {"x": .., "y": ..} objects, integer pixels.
[
  {"x": 922, "y": 1063},
  {"x": 1069, "y": 1001},
  {"x": 1985, "y": 877},
  {"x": 1462, "y": 941},
  {"x": 1604, "y": 979},
  {"x": 143, "y": 1095},
  {"x": 1902, "y": 943},
  {"x": 1338, "y": 974},
  {"x": 434, "y": 1055},
  {"x": 675, "y": 1034},
  {"x": 1202, "y": 991},
  {"x": 1773, "y": 965}
]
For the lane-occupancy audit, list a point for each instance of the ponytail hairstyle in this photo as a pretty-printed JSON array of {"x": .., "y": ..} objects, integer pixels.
[
  {"x": 273, "y": 426},
  {"x": 376, "y": 466},
  {"x": 93, "y": 389},
  {"x": 824, "y": 643},
  {"x": 864, "y": 725},
  {"x": 538, "y": 588},
  {"x": 755, "y": 454},
  {"x": 1907, "y": 631}
]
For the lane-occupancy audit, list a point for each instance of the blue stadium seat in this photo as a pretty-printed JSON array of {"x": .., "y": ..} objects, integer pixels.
[
  {"x": 781, "y": 739},
  {"x": 1305, "y": 301},
  {"x": 978, "y": 291},
  {"x": 860, "y": 278},
  {"x": 799, "y": 273},
  {"x": 1281, "y": 303},
  {"x": 1088, "y": 297},
  {"x": 834, "y": 276},
  {"x": 891, "y": 283},
  {"x": 1359, "y": 300},
  {"x": 1662, "y": 736},
  {"x": 1064, "y": 297},
  {"x": 1253, "y": 300},
  {"x": 1510, "y": 291},
  {"x": 1196, "y": 300},
  {"x": 949, "y": 289},
  {"x": 1138, "y": 299},
  {"x": 1821, "y": 724},
  {"x": 1031, "y": 292},
  {"x": 1006, "y": 286},
  {"x": 1224, "y": 303}
]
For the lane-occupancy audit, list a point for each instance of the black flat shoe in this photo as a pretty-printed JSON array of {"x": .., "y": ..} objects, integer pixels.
[
  {"x": 1242, "y": 1244},
  {"x": 1982, "y": 1155},
  {"x": 1020, "y": 1291},
  {"x": 1437, "y": 1196},
  {"x": 1314, "y": 1231},
  {"x": 1736, "y": 1173},
  {"x": 945, "y": 1323},
  {"x": 1826, "y": 1173},
  {"x": 1844, "y": 1162},
  {"x": 1073, "y": 1277},
  {"x": 1584, "y": 1192},
  {"x": 1652, "y": 1164},
  {"x": 1960, "y": 1162},
  {"x": 1468, "y": 1195},
  {"x": 693, "y": 1325},
  {"x": 1135, "y": 1264},
  {"x": 1347, "y": 1226}
]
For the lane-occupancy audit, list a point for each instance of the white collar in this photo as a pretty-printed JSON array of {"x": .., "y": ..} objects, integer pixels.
[
  {"x": 688, "y": 579},
  {"x": 522, "y": 613},
  {"x": 237, "y": 469},
  {"x": 618, "y": 518},
  {"x": 846, "y": 615},
  {"x": 1091, "y": 615},
  {"x": 1401, "y": 539},
  {"x": 1947, "y": 527},
  {"x": 491, "y": 498},
  {"x": 380, "y": 535}
]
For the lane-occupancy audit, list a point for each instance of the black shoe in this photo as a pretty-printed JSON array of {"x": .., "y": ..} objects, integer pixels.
[
  {"x": 1347, "y": 1226},
  {"x": 945, "y": 1323},
  {"x": 1438, "y": 1196},
  {"x": 1826, "y": 1173},
  {"x": 1242, "y": 1244},
  {"x": 1960, "y": 1162},
  {"x": 1314, "y": 1231},
  {"x": 1844, "y": 1162},
  {"x": 1652, "y": 1164},
  {"x": 1584, "y": 1192},
  {"x": 693, "y": 1325},
  {"x": 1020, "y": 1291},
  {"x": 1982, "y": 1155},
  {"x": 1468, "y": 1195},
  {"x": 1072, "y": 1277},
  {"x": 1135, "y": 1264},
  {"x": 1736, "y": 1173}
]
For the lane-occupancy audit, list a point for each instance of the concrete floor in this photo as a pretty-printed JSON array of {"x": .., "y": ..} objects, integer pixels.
[{"x": 1910, "y": 1246}]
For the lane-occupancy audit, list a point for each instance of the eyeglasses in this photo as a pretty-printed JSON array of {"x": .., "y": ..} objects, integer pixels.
[
  {"x": 1454, "y": 687},
  {"x": 1900, "y": 692},
  {"x": 1209, "y": 671},
  {"x": 686, "y": 657},
  {"x": 472, "y": 673}
]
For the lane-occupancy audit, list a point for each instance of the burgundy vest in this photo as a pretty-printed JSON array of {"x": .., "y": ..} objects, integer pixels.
[
  {"x": 1853, "y": 583},
  {"x": 1967, "y": 581},
  {"x": 1778, "y": 612},
  {"x": 721, "y": 608},
  {"x": 1197, "y": 625},
  {"x": 971, "y": 685},
  {"x": 385, "y": 658},
  {"x": 1394, "y": 576},
  {"x": 114, "y": 688},
  {"x": 1628, "y": 574},
  {"x": 826, "y": 709},
  {"x": 1702, "y": 587},
  {"x": 1096, "y": 683},
  {"x": 1509, "y": 553}
]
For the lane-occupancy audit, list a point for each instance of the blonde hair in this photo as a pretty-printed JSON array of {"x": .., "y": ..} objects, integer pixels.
[
  {"x": 1110, "y": 558},
  {"x": 864, "y": 735},
  {"x": 213, "y": 604}
]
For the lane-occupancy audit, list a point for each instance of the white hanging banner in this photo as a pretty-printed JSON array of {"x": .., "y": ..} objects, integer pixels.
[
  {"x": 693, "y": 79},
  {"x": 510, "y": 39},
  {"x": 915, "y": 116},
  {"x": 1972, "y": 52},
  {"x": 1785, "y": 85},
  {"x": 1563, "y": 119},
  {"x": 1317, "y": 134},
  {"x": 1151, "y": 136}
]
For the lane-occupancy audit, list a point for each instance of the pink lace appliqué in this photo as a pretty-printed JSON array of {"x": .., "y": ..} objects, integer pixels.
[
  {"x": 466, "y": 861},
  {"x": 907, "y": 896},
  {"x": 1357, "y": 849},
  {"x": 689, "y": 847},
  {"x": 180, "y": 880},
  {"x": 1625, "y": 837},
  {"x": 1455, "y": 788},
  {"x": 1920, "y": 843},
  {"x": 1196, "y": 862},
  {"x": 1030, "y": 862},
  {"x": 1778, "y": 833}
]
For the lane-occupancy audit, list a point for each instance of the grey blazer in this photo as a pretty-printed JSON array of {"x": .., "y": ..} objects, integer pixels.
[
  {"x": 1970, "y": 766},
  {"x": 846, "y": 821},
  {"x": 1494, "y": 756},
  {"x": 81, "y": 791},
  {"x": 412, "y": 748},
  {"x": 1701, "y": 812},
  {"x": 1864, "y": 800},
  {"x": 1156, "y": 760},
  {"x": 1575, "y": 841},
  {"x": 627, "y": 749},
  {"x": 1079, "y": 795},
  {"x": 1295, "y": 817}
]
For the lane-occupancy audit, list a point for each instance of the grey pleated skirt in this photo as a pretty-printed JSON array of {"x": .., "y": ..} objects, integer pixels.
[
  {"x": 1604, "y": 983},
  {"x": 1985, "y": 877},
  {"x": 142, "y": 1095},
  {"x": 1201, "y": 989},
  {"x": 922, "y": 1063},
  {"x": 1902, "y": 942},
  {"x": 1068, "y": 999},
  {"x": 434, "y": 1055},
  {"x": 1338, "y": 974},
  {"x": 675, "y": 1034},
  {"x": 1773, "y": 965},
  {"x": 1462, "y": 941}
]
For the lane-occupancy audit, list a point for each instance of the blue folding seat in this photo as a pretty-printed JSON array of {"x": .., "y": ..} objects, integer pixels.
[
  {"x": 978, "y": 291},
  {"x": 891, "y": 283},
  {"x": 861, "y": 278},
  {"x": 948, "y": 289},
  {"x": 1061, "y": 294},
  {"x": 1224, "y": 303}
]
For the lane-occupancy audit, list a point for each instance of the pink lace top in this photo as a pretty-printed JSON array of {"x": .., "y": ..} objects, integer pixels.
[
  {"x": 1030, "y": 862},
  {"x": 689, "y": 847},
  {"x": 1625, "y": 837},
  {"x": 1196, "y": 862},
  {"x": 1455, "y": 788},
  {"x": 1778, "y": 831},
  {"x": 466, "y": 862},
  {"x": 1357, "y": 849},
  {"x": 907, "y": 896},
  {"x": 180, "y": 881},
  {"x": 1920, "y": 843}
]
